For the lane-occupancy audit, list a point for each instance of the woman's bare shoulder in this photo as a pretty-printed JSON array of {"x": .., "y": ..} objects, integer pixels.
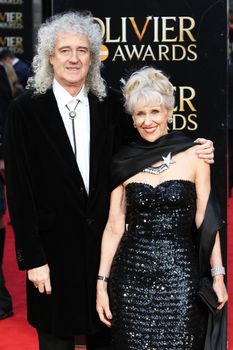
[{"x": 191, "y": 153}]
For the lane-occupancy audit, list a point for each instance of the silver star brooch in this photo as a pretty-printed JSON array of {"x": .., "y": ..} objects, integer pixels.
[{"x": 168, "y": 160}]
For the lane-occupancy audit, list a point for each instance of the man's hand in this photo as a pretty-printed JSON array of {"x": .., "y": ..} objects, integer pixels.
[
  {"x": 205, "y": 150},
  {"x": 2, "y": 170},
  {"x": 2, "y": 165},
  {"x": 40, "y": 277}
]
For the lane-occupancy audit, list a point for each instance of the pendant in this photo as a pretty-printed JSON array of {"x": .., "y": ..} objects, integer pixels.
[
  {"x": 72, "y": 114},
  {"x": 167, "y": 161}
]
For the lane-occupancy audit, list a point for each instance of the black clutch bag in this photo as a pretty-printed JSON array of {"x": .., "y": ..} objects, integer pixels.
[{"x": 208, "y": 295}]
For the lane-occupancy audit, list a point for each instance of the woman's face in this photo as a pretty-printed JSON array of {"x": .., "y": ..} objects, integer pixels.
[{"x": 151, "y": 120}]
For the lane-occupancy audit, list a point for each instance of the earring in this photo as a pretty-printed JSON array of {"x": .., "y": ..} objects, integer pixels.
[{"x": 170, "y": 120}]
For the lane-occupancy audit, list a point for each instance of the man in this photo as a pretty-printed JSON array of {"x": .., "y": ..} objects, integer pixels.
[
  {"x": 60, "y": 138},
  {"x": 5, "y": 98},
  {"x": 21, "y": 68},
  {"x": 230, "y": 122},
  {"x": 11, "y": 74}
]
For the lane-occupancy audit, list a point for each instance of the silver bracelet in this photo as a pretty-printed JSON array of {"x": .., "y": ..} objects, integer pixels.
[
  {"x": 215, "y": 271},
  {"x": 103, "y": 278}
]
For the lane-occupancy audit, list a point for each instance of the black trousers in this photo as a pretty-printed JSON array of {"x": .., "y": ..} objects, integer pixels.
[
  {"x": 5, "y": 298},
  {"x": 50, "y": 342},
  {"x": 230, "y": 157},
  {"x": 98, "y": 341}
]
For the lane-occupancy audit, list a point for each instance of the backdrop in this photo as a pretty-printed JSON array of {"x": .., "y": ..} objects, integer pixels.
[
  {"x": 16, "y": 27},
  {"x": 188, "y": 41}
]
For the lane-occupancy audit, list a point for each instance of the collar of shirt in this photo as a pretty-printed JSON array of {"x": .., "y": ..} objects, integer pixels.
[
  {"x": 81, "y": 125},
  {"x": 15, "y": 60},
  {"x": 63, "y": 97}
]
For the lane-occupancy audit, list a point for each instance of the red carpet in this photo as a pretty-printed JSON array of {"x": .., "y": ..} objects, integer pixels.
[
  {"x": 16, "y": 334},
  {"x": 230, "y": 273}
]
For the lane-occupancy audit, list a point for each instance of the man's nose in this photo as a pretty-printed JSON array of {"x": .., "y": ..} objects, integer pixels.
[{"x": 74, "y": 56}]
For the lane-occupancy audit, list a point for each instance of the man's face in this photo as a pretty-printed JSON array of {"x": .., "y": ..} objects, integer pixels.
[{"x": 71, "y": 61}]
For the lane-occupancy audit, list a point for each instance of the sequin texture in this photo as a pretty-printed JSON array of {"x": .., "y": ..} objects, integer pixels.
[{"x": 154, "y": 276}]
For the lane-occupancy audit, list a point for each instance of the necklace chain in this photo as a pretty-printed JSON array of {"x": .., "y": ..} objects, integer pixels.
[
  {"x": 72, "y": 114},
  {"x": 155, "y": 170}
]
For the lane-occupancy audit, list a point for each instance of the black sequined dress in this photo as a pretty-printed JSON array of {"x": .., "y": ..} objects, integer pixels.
[{"x": 155, "y": 275}]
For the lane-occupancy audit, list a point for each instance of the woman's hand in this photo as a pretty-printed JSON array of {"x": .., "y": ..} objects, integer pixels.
[
  {"x": 102, "y": 303},
  {"x": 205, "y": 150},
  {"x": 220, "y": 290}
]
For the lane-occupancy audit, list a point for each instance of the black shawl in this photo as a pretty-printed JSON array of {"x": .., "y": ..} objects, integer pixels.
[
  {"x": 138, "y": 155},
  {"x": 216, "y": 335}
]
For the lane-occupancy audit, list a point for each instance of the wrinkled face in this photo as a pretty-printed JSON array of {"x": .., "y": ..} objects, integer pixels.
[
  {"x": 151, "y": 120},
  {"x": 71, "y": 61}
]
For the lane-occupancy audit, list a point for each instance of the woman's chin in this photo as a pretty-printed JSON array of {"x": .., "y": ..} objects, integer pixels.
[{"x": 151, "y": 137}]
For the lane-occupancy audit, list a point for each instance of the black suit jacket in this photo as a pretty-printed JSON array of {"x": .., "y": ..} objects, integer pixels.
[{"x": 54, "y": 220}]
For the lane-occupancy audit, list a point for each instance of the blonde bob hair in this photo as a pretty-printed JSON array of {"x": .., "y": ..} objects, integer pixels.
[{"x": 150, "y": 86}]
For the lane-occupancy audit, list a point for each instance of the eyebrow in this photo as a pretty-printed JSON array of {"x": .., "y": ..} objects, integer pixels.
[{"x": 69, "y": 47}]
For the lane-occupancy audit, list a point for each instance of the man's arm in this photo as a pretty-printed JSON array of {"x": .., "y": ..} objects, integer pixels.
[
  {"x": 205, "y": 150},
  {"x": 20, "y": 196}
]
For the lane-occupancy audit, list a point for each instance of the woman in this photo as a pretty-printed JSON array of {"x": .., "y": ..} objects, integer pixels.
[{"x": 150, "y": 267}]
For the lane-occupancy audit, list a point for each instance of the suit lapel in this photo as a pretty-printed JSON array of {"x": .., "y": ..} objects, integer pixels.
[
  {"x": 97, "y": 136},
  {"x": 53, "y": 124}
]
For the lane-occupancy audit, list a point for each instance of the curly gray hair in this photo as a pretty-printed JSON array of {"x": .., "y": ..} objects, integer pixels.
[{"x": 71, "y": 22}]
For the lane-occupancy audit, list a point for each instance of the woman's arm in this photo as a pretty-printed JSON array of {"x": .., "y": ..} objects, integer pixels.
[
  {"x": 202, "y": 181},
  {"x": 113, "y": 232},
  {"x": 218, "y": 280}
]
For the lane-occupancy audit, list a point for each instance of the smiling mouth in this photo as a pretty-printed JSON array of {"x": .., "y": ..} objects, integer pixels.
[
  {"x": 150, "y": 131},
  {"x": 73, "y": 68}
]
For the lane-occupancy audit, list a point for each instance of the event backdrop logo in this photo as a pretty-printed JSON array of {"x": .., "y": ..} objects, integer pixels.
[
  {"x": 166, "y": 38},
  {"x": 11, "y": 2},
  {"x": 15, "y": 43},
  {"x": 11, "y": 20},
  {"x": 185, "y": 112},
  {"x": 153, "y": 39}
]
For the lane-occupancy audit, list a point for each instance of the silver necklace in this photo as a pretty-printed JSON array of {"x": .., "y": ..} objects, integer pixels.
[
  {"x": 72, "y": 115},
  {"x": 167, "y": 161}
]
